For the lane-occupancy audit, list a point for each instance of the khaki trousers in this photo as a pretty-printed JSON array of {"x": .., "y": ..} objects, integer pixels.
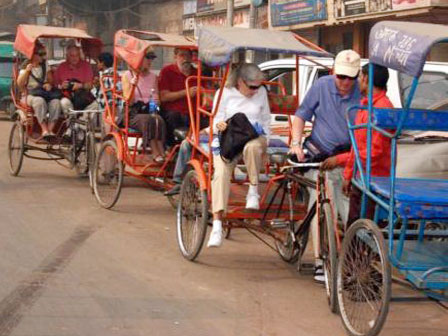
[{"x": 253, "y": 154}]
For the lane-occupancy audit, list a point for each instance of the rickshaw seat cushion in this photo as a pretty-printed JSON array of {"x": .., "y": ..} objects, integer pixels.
[
  {"x": 415, "y": 198},
  {"x": 417, "y": 119},
  {"x": 282, "y": 104}
]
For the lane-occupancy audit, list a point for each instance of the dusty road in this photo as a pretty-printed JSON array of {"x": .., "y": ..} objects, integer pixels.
[{"x": 71, "y": 268}]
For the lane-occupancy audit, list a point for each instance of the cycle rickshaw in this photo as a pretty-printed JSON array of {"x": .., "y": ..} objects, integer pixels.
[
  {"x": 25, "y": 138},
  {"x": 121, "y": 146},
  {"x": 283, "y": 205},
  {"x": 408, "y": 207}
]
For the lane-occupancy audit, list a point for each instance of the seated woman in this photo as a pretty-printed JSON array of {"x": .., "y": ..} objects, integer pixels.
[
  {"x": 151, "y": 126},
  {"x": 34, "y": 77},
  {"x": 243, "y": 93}
]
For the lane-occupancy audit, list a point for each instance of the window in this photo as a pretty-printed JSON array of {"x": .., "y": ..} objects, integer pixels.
[{"x": 432, "y": 89}]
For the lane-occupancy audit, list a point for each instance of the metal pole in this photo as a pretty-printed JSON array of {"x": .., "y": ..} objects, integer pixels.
[
  {"x": 252, "y": 16},
  {"x": 250, "y": 54},
  {"x": 230, "y": 4},
  {"x": 50, "y": 23}
]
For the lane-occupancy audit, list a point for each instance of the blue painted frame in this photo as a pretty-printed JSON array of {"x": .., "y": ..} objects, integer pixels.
[{"x": 362, "y": 179}]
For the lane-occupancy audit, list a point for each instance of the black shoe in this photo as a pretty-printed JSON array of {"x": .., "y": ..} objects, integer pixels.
[{"x": 173, "y": 191}]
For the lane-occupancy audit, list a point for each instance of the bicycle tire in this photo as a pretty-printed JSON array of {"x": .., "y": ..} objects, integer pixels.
[
  {"x": 192, "y": 217},
  {"x": 292, "y": 249},
  {"x": 108, "y": 169},
  {"x": 363, "y": 279},
  {"x": 16, "y": 147},
  {"x": 329, "y": 255},
  {"x": 91, "y": 156}
]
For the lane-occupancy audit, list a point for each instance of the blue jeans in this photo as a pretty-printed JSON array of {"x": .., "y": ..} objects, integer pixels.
[{"x": 182, "y": 159}]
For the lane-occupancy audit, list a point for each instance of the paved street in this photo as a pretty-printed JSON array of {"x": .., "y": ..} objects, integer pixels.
[{"x": 71, "y": 268}]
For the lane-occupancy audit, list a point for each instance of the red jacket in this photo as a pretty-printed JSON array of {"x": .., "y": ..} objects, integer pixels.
[{"x": 380, "y": 152}]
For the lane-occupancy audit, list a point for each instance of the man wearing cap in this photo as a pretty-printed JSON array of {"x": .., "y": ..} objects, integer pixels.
[
  {"x": 326, "y": 104},
  {"x": 173, "y": 93}
]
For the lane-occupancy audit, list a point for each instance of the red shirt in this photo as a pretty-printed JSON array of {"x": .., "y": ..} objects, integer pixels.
[
  {"x": 171, "y": 79},
  {"x": 380, "y": 152},
  {"x": 82, "y": 72}
]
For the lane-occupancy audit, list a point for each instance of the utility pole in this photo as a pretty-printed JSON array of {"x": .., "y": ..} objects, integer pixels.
[
  {"x": 230, "y": 4},
  {"x": 250, "y": 54},
  {"x": 50, "y": 23}
]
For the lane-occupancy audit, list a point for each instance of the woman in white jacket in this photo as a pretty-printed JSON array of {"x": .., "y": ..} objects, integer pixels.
[{"x": 243, "y": 93}]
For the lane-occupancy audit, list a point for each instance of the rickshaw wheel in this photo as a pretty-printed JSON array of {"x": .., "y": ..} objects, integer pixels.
[
  {"x": 363, "y": 279},
  {"x": 91, "y": 156},
  {"x": 107, "y": 175},
  {"x": 192, "y": 216},
  {"x": 329, "y": 255},
  {"x": 289, "y": 250},
  {"x": 16, "y": 147}
]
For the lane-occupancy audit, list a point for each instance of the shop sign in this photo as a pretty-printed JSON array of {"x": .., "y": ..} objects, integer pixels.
[
  {"x": 216, "y": 5},
  {"x": 290, "y": 12},
  {"x": 343, "y": 8},
  {"x": 408, "y": 4},
  {"x": 189, "y": 24},
  {"x": 240, "y": 19}
]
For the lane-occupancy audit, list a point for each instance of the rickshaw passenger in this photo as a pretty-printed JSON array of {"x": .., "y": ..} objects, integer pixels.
[
  {"x": 152, "y": 126},
  {"x": 243, "y": 93},
  {"x": 105, "y": 63},
  {"x": 74, "y": 74},
  {"x": 380, "y": 154},
  {"x": 326, "y": 104},
  {"x": 173, "y": 93},
  {"x": 36, "y": 77}
]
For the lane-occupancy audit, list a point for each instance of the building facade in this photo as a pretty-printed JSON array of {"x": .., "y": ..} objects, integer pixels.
[{"x": 343, "y": 24}]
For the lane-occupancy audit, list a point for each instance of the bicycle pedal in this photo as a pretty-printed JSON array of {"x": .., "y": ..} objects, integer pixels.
[{"x": 278, "y": 223}]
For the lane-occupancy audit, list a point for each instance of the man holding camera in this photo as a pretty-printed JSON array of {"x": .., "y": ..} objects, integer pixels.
[{"x": 75, "y": 74}]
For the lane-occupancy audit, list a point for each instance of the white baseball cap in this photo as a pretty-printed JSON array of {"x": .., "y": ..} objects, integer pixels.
[{"x": 348, "y": 63}]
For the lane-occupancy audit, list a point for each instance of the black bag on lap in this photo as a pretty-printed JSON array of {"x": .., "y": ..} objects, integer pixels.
[
  {"x": 238, "y": 133},
  {"x": 54, "y": 93},
  {"x": 82, "y": 98}
]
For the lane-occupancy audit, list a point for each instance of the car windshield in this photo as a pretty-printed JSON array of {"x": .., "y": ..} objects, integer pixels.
[{"x": 432, "y": 89}]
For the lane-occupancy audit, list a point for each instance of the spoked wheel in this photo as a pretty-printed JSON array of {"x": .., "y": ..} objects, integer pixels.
[
  {"x": 91, "y": 156},
  {"x": 290, "y": 248},
  {"x": 107, "y": 175},
  {"x": 16, "y": 147},
  {"x": 329, "y": 255},
  {"x": 192, "y": 216},
  {"x": 80, "y": 161},
  {"x": 364, "y": 279}
]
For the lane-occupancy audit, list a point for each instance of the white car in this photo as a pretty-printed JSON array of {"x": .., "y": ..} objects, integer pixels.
[{"x": 432, "y": 88}]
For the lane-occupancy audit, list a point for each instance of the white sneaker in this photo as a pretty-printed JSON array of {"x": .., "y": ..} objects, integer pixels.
[
  {"x": 252, "y": 201},
  {"x": 215, "y": 239}
]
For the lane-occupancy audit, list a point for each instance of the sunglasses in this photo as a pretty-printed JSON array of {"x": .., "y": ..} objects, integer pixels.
[
  {"x": 41, "y": 53},
  {"x": 252, "y": 87},
  {"x": 344, "y": 77},
  {"x": 151, "y": 57}
]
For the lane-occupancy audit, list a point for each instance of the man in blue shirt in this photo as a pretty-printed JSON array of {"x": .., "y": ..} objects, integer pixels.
[{"x": 326, "y": 105}]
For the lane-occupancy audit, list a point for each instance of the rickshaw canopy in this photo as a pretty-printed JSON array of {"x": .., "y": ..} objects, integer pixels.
[
  {"x": 404, "y": 46},
  {"x": 131, "y": 45},
  {"x": 27, "y": 36},
  {"x": 217, "y": 44}
]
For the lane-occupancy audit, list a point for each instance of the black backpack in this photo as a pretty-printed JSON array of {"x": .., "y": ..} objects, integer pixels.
[{"x": 238, "y": 133}]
